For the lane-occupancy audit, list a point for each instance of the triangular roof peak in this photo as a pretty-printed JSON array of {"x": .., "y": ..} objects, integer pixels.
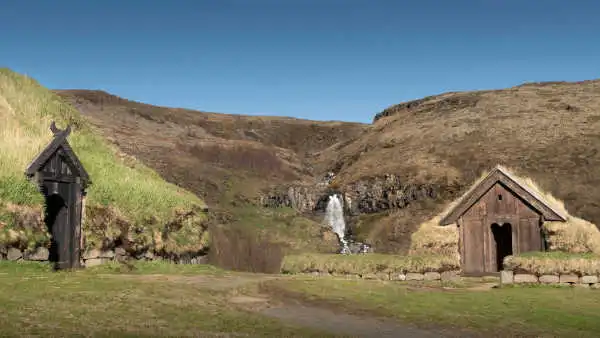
[
  {"x": 500, "y": 174},
  {"x": 59, "y": 142}
]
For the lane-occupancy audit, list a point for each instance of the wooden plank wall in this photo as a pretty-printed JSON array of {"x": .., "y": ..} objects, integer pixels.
[{"x": 498, "y": 205}]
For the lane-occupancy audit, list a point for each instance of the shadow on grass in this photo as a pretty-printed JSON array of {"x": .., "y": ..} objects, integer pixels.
[{"x": 241, "y": 249}]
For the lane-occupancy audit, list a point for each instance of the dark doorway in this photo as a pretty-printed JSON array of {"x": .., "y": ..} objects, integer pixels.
[
  {"x": 503, "y": 240},
  {"x": 56, "y": 219}
]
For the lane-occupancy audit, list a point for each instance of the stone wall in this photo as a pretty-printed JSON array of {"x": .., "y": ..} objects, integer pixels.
[
  {"x": 94, "y": 257},
  {"x": 508, "y": 277},
  {"x": 408, "y": 276},
  {"x": 13, "y": 254}
]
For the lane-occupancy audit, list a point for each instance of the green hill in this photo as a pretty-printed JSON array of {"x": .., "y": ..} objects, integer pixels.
[{"x": 128, "y": 204}]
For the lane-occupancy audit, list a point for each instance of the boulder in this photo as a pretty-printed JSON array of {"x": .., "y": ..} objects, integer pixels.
[
  {"x": 589, "y": 279},
  {"x": 414, "y": 276},
  {"x": 431, "y": 276},
  {"x": 525, "y": 278},
  {"x": 449, "y": 276},
  {"x": 398, "y": 276},
  {"x": 370, "y": 276},
  {"x": 40, "y": 254},
  {"x": 549, "y": 279},
  {"x": 569, "y": 278},
  {"x": 506, "y": 277},
  {"x": 14, "y": 254}
]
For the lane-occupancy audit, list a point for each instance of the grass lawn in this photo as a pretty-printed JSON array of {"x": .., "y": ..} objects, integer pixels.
[
  {"x": 565, "y": 312},
  {"x": 154, "y": 300}
]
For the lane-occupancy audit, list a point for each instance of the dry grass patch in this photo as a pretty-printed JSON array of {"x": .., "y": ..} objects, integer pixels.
[
  {"x": 435, "y": 239},
  {"x": 367, "y": 263},
  {"x": 576, "y": 236},
  {"x": 554, "y": 263}
]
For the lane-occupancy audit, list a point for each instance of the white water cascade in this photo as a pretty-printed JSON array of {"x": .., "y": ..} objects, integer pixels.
[{"x": 334, "y": 216}]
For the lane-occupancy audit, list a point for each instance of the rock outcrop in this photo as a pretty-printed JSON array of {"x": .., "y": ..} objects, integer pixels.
[{"x": 371, "y": 195}]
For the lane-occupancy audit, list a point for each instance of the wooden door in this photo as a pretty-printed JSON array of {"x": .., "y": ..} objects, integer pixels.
[
  {"x": 64, "y": 230},
  {"x": 60, "y": 213},
  {"x": 472, "y": 246},
  {"x": 529, "y": 235}
]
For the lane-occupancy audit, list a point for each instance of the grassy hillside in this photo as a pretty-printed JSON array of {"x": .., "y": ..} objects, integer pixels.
[{"x": 125, "y": 198}]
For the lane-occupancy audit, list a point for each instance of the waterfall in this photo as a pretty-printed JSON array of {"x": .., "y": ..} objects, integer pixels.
[{"x": 334, "y": 216}]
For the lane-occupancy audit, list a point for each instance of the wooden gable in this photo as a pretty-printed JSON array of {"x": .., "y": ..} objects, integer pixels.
[
  {"x": 498, "y": 175},
  {"x": 58, "y": 160}
]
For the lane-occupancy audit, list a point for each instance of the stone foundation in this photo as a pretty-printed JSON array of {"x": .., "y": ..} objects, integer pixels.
[
  {"x": 508, "y": 277},
  {"x": 395, "y": 276},
  {"x": 94, "y": 257}
]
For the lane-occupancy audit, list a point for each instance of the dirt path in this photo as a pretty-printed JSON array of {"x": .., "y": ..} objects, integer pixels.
[
  {"x": 335, "y": 321},
  {"x": 347, "y": 324}
]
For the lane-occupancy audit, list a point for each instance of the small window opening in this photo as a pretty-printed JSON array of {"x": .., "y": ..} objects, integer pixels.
[{"x": 499, "y": 197}]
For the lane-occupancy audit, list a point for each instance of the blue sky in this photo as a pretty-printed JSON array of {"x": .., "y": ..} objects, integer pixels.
[{"x": 323, "y": 60}]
